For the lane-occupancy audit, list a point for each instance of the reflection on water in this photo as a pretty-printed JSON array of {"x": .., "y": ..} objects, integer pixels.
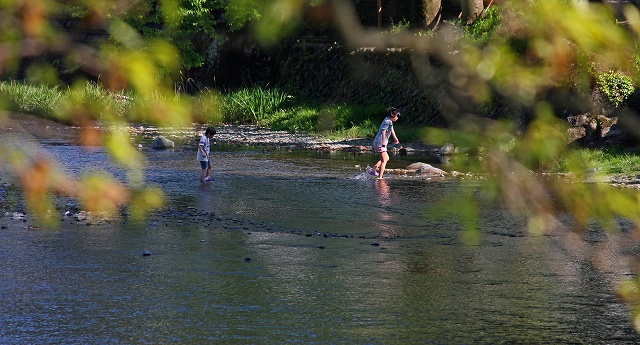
[
  {"x": 385, "y": 219},
  {"x": 298, "y": 248}
]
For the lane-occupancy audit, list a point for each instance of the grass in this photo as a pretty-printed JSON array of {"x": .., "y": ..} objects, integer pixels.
[
  {"x": 33, "y": 99},
  {"x": 605, "y": 162},
  {"x": 48, "y": 102},
  {"x": 255, "y": 105},
  {"x": 262, "y": 106}
]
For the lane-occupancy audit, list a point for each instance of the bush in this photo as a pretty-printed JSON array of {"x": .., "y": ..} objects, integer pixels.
[{"x": 616, "y": 86}]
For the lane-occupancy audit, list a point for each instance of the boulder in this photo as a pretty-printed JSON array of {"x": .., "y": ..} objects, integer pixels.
[
  {"x": 425, "y": 169},
  {"x": 594, "y": 130},
  {"x": 417, "y": 168},
  {"x": 447, "y": 149},
  {"x": 160, "y": 143}
]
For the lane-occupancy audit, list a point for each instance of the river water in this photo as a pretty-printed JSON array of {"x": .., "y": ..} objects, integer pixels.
[{"x": 304, "y": 248}]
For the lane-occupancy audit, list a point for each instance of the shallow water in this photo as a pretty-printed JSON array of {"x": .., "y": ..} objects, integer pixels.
[{"x": 303, "y": 248}]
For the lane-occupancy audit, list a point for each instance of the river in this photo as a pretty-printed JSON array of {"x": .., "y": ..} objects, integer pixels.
[{"x": 304, "y": 248}]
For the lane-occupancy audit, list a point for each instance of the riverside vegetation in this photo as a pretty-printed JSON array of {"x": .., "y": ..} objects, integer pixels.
[{"x": 277, "y": 110}]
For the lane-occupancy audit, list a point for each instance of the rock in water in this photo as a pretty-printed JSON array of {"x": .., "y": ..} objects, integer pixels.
[
  {"x": 447, "y": 149},
  {"x": 424, "y": 169},
  {"x": 160, "y": 143}
]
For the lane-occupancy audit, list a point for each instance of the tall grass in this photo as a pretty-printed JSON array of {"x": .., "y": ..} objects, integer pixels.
[
  {"x": 33, "y": 99},
  {"x": 47, "y": 101},
  {"x": 255, "y": 105}
]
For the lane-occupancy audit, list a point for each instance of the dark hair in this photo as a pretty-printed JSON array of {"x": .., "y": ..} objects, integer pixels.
[
  {"x": 210, "y": 130},
  {"x": 393, "y": 112}
]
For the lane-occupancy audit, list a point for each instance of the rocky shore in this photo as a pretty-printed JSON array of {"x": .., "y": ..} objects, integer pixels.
[{"x": 259, "y": 136}]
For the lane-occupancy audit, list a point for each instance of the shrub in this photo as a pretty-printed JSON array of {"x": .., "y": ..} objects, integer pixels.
[{"x": 616, "y": 86}]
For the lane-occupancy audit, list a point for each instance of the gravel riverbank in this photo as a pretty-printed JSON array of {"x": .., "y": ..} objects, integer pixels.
[{"x": 258, "y": 136}]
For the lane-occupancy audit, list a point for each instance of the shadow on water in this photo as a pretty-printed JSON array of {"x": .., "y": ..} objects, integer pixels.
[{"x": 304, "y": 247}]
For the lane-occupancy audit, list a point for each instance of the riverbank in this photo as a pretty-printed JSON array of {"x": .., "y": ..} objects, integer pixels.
[
  {"x": 246, "y": 135},
  {"x": 32, "y": 128}
]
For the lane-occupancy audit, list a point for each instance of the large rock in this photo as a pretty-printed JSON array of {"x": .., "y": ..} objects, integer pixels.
[
  {"x": 417, "y": 168},
  {"x": 161, "y": 143},
  {"x": 425, "y": 169},
  {"x": 447, "y": 149},
  {"x": 594, "y": 130}
]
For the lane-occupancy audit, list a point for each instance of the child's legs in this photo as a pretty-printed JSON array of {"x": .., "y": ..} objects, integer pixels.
[
  {"x": 384, "y": 158},
  {"x": 382, "y": 152},
  {"x": 208, "y": 168},
  {"x": 205, "y": 167}
]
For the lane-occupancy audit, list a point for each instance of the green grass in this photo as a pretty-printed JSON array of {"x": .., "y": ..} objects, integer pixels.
[
  {"x": 482, "y": 29},
  {"x": 257, "y": 105},
  {"x": 32, "y": 99},
  {"x": 606, "y": 162},
  {"x": 50, "y": 102}
]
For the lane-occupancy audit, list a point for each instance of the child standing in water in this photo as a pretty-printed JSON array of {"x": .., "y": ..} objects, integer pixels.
[
  {"x": 203, "y": 154},
  {"x": 381, "y": 141}
]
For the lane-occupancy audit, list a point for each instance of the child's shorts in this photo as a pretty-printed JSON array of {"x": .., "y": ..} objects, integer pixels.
[
  {"x": 379, "y": 149},
  {"x": 204, "y": 164}
]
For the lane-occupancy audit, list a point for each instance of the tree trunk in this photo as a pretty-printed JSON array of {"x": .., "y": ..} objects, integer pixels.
[
  {"x": 432, "y": 13},
  {"x": 471, "y": 9}
]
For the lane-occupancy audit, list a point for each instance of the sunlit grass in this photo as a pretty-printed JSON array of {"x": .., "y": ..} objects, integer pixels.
[
  {"x": 45, "y": 101},
  {"x": 39, "y": 100},
  {"x": 605, "y": 162},
  {"x": 254, "y": 105}
]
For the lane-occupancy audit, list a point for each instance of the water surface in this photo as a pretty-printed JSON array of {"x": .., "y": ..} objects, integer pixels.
[{"x": 303, "y": 248}]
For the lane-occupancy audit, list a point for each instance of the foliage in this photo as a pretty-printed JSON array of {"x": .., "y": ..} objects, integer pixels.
[
  {"x": 180, "y": 23},
  {"x": 345, "y": 121},
  {"x": 616, "y": 86},
  {"x": 400, "y": 26},
  {"x": 298, "y": 119},
  {"x": 189, "y": 22}
]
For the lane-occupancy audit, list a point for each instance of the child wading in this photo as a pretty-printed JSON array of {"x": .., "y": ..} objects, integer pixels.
[
  {"x": 203, "y": 154},
  {"x": 381, "y": 141}
]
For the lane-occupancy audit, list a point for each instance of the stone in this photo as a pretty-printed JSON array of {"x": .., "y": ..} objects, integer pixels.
[
  {"x": 161, "y": 143},
  {"x": 447, "y": 149},
  {"x": 425, "y": 169}
]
